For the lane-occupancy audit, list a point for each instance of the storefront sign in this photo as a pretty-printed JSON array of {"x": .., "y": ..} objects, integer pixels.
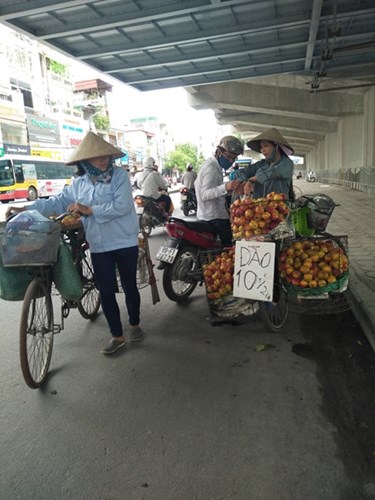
[
  {"x": 16, "y": 149},
  {"x": 254, "y": 267},
  {"x": 43, "y": 130}
]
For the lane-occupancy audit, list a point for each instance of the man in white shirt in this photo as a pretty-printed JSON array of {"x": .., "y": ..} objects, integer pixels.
[
  {"x": 211, "y": 190},
  {"x": 151, "y": 183}
]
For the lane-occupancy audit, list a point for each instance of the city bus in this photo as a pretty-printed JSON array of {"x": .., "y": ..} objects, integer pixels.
[{"x": 32, "y": 177}]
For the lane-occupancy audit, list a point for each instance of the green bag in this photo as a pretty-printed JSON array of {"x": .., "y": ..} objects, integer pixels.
[
  {"x": 65, "y": 275},
  {"x": 14, "y": 281}
]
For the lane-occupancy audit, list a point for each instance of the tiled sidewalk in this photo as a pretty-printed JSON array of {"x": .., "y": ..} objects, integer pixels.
[{"x": 355, "y": 217}]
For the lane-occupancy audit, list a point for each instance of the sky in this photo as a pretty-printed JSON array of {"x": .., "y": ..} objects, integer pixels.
[{"x": 169, "y": 106}]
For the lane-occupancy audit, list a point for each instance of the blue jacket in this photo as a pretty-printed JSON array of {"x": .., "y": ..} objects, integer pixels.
[
  {"x": 276, "y": 177},
  {"x": 113, "y": 224}
]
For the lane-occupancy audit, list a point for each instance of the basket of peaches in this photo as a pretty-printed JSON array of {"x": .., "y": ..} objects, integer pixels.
[
  {"x": 253, "y": 218},
  {"x": 315, "y": 265}
]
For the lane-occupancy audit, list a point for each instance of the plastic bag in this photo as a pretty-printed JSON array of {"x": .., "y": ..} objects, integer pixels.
[{"x": 66, "y": 276}]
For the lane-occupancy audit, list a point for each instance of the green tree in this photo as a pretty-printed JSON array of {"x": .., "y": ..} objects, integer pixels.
[
  {"x": 182, "y": 155},
  {"x": 101, "y": 122}
]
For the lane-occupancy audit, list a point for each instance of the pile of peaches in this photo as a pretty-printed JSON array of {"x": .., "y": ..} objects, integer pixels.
[
  {"x": 312, "y": 263},
  {"x": 251, "y": 218},
  {"x": 218, "y": 274}
]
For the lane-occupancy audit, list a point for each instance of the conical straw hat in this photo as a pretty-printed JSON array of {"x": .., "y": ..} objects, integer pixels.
[
  {"x": 93, "y": 146},
  {"x": 272, "y": 135}
]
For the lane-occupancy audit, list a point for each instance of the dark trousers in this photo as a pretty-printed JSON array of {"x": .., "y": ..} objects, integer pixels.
[
  {"x": 167, "y": 200},
  {"x": 105, "y": 275},
  {"x": 224, "y": 231}
]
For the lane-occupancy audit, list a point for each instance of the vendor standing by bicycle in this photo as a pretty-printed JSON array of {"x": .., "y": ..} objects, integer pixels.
[
  {"x": 274, "y": 173},
  {"x": 102, "y": 195}
]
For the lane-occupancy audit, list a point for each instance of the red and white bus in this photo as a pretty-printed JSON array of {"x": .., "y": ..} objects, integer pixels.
[{"x": 32, "y": 177}]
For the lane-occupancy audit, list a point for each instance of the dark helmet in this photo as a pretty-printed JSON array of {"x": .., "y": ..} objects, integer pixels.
[{"x": 231, "y": 144}]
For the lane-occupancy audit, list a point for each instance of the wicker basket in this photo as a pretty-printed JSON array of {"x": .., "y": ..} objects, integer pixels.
[{"x": 226, "y": 306}]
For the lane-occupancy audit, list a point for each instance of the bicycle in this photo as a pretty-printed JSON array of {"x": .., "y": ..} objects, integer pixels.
[{"x": 37, "y": 324}]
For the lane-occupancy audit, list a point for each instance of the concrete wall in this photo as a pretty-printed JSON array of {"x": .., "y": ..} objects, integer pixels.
[{"x": 347, "y": 157}]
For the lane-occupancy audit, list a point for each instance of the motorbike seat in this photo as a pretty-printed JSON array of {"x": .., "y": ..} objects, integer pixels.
[{"x": 197, "y": 225}]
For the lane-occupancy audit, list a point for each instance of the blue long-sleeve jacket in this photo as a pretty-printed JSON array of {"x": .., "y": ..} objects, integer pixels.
[
  {"x": 113, "y": 223},
  {"x": 276, "y": 177}
]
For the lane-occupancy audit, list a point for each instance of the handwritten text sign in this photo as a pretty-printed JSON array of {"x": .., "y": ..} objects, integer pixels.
[{"x": 254, "y": 267}]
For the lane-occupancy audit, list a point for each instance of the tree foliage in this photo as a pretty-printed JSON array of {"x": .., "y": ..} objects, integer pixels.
[
  {"x": 182, "y": 155},
  {"x": 101, "y": 122}
]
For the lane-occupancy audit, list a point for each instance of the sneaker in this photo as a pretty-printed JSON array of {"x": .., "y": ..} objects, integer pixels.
[
  {"x": 112, "y": 346},
  {"x": 136, "y": 334}
]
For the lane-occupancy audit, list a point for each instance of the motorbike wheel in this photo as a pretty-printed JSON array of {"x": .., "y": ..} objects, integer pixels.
[
  {"x": 145, "y": 224},
  {"x": 275, "y": 313},
  {"x": 186, "y": 211},
  {"x": 178, "y": 283}
]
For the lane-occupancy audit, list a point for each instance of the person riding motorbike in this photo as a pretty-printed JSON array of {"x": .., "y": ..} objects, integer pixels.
[
  {"x": 152, "y": 183},
  {"x": 189, "y": 177},
  {"x": 210, "y": 189}
]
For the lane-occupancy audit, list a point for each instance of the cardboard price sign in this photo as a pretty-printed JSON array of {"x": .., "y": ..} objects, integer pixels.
[{"x": 254, "y": 268}]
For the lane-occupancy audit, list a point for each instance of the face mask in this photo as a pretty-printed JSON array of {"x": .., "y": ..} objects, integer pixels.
[{"x": 224, "y": 162}]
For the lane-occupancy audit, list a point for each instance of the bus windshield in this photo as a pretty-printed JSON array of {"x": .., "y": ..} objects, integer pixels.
[{"x": 6, "y": 173}]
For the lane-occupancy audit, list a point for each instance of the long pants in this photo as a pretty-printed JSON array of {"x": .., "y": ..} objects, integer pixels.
[
  {"x": 224, "y": 231},
  {"x": 105, "y": 276}
]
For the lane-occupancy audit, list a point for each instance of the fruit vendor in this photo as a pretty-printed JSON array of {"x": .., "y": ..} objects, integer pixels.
[
  {"x": 102, "y": 195},
  {"x": 211, "y": 190},
  {"x": 273, "y": 173}
]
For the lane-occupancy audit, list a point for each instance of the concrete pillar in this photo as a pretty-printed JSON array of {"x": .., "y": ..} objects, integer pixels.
[{"x": 369, "y": 129}]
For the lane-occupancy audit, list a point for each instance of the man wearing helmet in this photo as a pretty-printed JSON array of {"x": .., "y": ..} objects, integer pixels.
[
  {"x": 152, "y": 183},
  {"x": 211, "y": 190},
  {"x": 189, "y": 177}
]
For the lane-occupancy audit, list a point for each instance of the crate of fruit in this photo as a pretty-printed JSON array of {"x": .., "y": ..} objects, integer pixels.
[
  {"x": 218, "y": 269},
  {"x": 253, "y": 218},
  {"x": 313, "y": 266}
]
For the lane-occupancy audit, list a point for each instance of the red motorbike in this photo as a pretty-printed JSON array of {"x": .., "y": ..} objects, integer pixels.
[{"x": 180, "y": 256}]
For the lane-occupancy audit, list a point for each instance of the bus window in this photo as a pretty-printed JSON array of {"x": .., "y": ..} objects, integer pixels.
[{"x": 18, "y": 171}]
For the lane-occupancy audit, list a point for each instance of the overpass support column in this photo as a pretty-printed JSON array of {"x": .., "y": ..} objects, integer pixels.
[{"x": 369, "y": 129}]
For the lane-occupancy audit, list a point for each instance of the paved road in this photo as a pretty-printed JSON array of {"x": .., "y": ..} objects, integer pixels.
[{"x": 195, "y": 412}]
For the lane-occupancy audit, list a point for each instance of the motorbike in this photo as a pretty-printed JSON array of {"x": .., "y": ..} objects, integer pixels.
[
  {"x": 179, "y": 257},
  {"x": 310, "y": 177},
  {"x": 188, "y": 200},
  {"x": 151, "y": 213}
]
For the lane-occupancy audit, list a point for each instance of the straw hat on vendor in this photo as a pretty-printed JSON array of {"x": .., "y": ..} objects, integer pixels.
[
  {"x": 271, "y": 135},
  {"x": 93, "y": 146}
]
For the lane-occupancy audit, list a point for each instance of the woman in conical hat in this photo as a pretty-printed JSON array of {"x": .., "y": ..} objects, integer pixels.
[
  {"x": 274, "y": 173},
  {"x": 102, "y": 195}
]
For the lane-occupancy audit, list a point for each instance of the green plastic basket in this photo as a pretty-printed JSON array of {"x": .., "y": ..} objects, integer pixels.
[{"x": 299, "y": 219}]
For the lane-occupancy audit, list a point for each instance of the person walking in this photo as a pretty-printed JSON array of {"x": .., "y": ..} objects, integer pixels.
[
  {"x": 273, "y": 173},
  {"x": 211, "y": 190},
  {"x": 101, "y": 194},
  {"x": 151, "y": 183}
]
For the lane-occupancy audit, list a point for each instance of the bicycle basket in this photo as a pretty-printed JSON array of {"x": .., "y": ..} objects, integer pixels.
[{"x": 30, "y": 247}]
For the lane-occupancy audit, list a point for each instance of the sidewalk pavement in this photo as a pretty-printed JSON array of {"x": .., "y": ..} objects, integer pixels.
[{"x": 355, "y": 217}]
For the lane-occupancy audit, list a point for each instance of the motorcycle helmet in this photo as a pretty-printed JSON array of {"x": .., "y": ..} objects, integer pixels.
[
  {"x": 149, "y": 163},
  {"x": 321, "y": 207},
  {"x": 231, "y": 144}
]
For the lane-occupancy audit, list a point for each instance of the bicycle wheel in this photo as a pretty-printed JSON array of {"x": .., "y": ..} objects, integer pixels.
[
  {"x": 275, "y": 313},
  {"x": 89, "y": 303},
  {"x": 36, "y": 332}
]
